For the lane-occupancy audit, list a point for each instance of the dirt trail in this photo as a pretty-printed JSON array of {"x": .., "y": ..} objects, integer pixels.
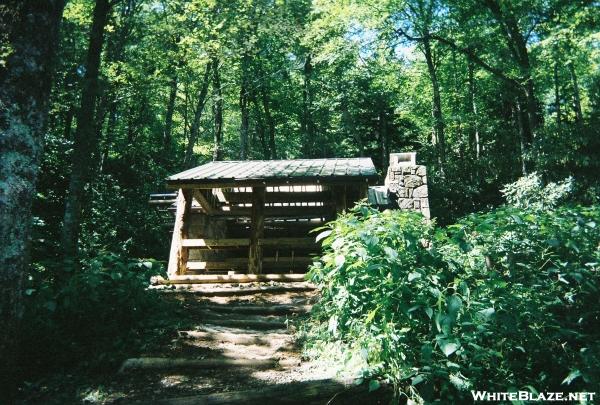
[{"x": 242, "y": 342}]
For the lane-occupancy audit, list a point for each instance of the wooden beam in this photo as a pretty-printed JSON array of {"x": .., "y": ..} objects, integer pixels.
[
  {"x": 281, "y": 196},
  {"x": 305, "y": 242},
  {"x": 234, "y": 278},
  {"x": 242, "y": 263},
  {"x": 257, "y": 229},
  {"x": 340, "y": 198},
  {"x": 204, "y": 202},
  {"x": 178, "y": 255},
  {"x": 216, "y": 243},
  {"x": 288, "y": 211}
]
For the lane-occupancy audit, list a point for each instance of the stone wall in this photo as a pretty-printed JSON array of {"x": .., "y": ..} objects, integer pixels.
[{"x": 406, "y": 183}]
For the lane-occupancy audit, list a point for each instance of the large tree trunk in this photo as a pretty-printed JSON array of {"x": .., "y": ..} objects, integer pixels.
[
  {"x": 217, "y": 111},
  {"x": 25, "y": 80},
  {"x": 195, "y": 128},
  {"x": 475, "y": 141},
  {"x": 86, "y": 141},
  {"x": 436, "y": 103},
  {"x": 557, "y": 93},
  {"x": 576, "y": 97},
  {"x": 307, "y": 126},
  {"x": 244, "y": 110},
  {"x": 518, "y": 47},
  {"x": 270, "y": 123},
  {"x": 167, "y": 132}
]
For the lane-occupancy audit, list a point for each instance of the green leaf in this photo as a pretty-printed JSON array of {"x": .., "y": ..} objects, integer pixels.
[
  {"x": 448, "y": 347},
  {"x": 413, "y": 276},
  {"x": 323, "y": 235},
  {"x": 573, "y": 375},
  {"x": 374, "y": 385}
]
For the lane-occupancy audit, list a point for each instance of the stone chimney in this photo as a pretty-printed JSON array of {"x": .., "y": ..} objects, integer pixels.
[{"x": 406, "y": 183}]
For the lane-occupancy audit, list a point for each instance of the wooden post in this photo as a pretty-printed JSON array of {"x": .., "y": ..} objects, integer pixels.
[
  {"x": 179, "y": 253},
  {"x": 339, "y": 195},
  {"x": 256, "y": 230}
]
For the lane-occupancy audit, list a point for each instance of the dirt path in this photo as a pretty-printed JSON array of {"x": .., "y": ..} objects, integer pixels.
[{"x": 242, "y": 341}]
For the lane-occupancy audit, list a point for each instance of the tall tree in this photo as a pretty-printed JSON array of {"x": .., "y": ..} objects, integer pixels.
[
  {"x": 86, "y": 139},
  {"x": 28, "y": 40},
  {"x": 217, "y": 110}
]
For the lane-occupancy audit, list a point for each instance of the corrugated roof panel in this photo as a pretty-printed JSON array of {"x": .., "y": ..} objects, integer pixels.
[{"x": 292, "y": 170}]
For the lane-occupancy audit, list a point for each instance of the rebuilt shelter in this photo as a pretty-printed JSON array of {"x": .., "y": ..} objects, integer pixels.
[{"x": 254, "y": 217}]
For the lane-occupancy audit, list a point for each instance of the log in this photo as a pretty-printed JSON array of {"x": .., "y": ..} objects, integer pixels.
[
  {"x": 239, "y": 339},
  {"x": 233, "y": 278},
  {"x": 236, "y": 291},
  {"x": 245, "y": 323},
  {"x": 330, "y": 392},
  {"x": 259, "y": 309},
  {"x": 166, "y": 363}
]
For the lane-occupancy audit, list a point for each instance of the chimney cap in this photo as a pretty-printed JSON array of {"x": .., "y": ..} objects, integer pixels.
[{"x": 403, "y": 159}]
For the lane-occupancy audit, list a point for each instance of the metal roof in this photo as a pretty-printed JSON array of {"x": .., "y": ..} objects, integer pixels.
[{"x": 340, "y": 170}]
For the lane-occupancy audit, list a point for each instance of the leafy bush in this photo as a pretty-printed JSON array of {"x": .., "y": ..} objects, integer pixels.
[
  {"x": 500, "y": 301},
  {"x": 93, "y": 316},
  {"x": 530, "y": 192}
]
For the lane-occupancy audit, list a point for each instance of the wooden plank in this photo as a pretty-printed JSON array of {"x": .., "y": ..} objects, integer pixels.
[
  {"x": 242, "y": 263},
  {"x": 216, "y": 243},
  {"x": 234, "y": 278},
  {"x": 289, "y": 211},
  {"x": 257, "y": 230},
  {"x": 178, "y": 255},
  {"x": 294, "y": 242},
  {"x": 243, "y": 242},
  {"x": 281, "y": 196}
]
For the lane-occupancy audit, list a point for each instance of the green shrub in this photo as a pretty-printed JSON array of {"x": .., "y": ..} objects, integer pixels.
[
  {"x": 92, "y": 317},
  {"x": 500, "y": 301}
]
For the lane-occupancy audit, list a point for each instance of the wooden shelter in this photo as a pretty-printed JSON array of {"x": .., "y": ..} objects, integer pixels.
[{"x": 250, "y": 217}]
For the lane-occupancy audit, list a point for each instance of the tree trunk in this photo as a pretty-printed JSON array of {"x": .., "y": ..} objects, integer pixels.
[
  {"x": 25, "y": 79},
  {"x": 557, "y": 94},
  {"x": 68, "y": 122},
  {"x": 260, "y": 127},
  {"x": 270, "y": 123},
  {"x": 217, "y": 111},
  {"x": 167, "y": 133},
  {"x": 576, "y": 97},
  {"x": 86, "y": 141},
  {"x": 519, "y": 117},
  {"x": 195, "y": 128},
  {"x": 473, "y": 105},
  {"x": 518, "y": 47},
  {"x": 306, "y": 124},
  {"x": 436, "y": 103},
  {"x": 245, "y": 113}
]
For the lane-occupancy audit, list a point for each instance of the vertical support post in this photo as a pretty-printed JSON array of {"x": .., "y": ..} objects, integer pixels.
[
  {"x": 340, "y": 199},
  {"x": 257, "y": 226},
  {"x": 363, "y": 190},
  {"x": 178, "y": 254}
]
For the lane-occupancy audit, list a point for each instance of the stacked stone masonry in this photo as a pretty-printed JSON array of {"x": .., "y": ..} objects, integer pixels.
[{"x": 406, "y": 183}]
